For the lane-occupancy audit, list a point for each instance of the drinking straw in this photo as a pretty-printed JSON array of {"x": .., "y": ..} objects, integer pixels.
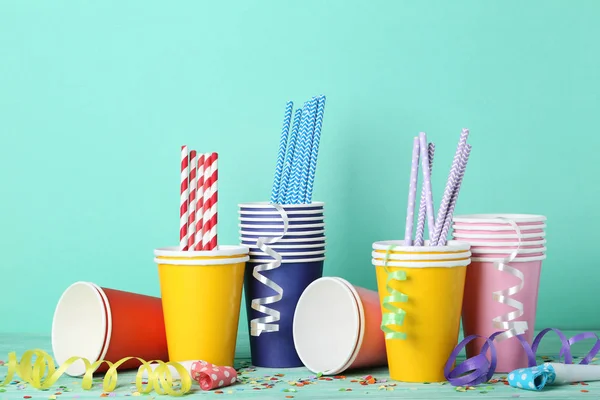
[
  {"x": 301, "y": 146},
  {"x": 307, "y": 153},
  {"x": 209, "y": 241},
  {"x": 315, "y": 148},
  {"x": 464, "y": 159},
  {"x": 192, "y": 201},
  {"x": 206, "y": 205},
  {"x": 427, "y": 183},
  {"x": 183, "y": 203},
  {"x": 419, "y": 236},
  {"x": 212, "y": 244},
  {"x": 412, "y": 193},
  {"x": 281, "y": 154},
  {"x": 283, "y": 187},
  {"x": 199, "y": 203},
  {"x": 450, "y": 186}
]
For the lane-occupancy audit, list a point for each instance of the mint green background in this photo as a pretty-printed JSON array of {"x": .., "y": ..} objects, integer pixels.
[{"x": 97, "y": 97}]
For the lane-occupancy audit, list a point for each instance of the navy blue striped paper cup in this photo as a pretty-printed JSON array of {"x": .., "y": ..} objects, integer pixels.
[
  {"x": 304, "y": 255},
  {"x": 297, "y": 222},
  {"x": 286, "y": 244},
  {"x": 317, "y": 234},
  {"x": 290, "y": 249},
  {"x": 276, "y": 349},
  {"x": 292, "y": 229},
  {"x": 292, "y": 208}
]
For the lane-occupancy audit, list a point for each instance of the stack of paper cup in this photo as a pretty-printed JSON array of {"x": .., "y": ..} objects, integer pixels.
[
  {"x": 421, "y": 291},
  {"x": 493, "y": 239},
  {"x": 302, "y": 251}
]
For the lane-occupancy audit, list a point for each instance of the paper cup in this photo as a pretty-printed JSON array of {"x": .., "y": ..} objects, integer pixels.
[
  {"x": 279, "y": 222},
  {"x": 495, "y": 219},
  {"x": 318, "y": 233},
  {"x": 434, "y": 293},
  {"x": 300, "y": 254},
  {"x": 495, "y": 252},
  {"x": 292, "y": 229},
  {"x": 275, "y": 215},
  {"x": 276, "y": 349},
  {"x": 201, "y": 294},
  {"x": 497, "y": 228},
  {"x": 96, "y": 323},
  {"x": 479, "y": 307},
  {"x": 336, "y": 327},
  {"x": 289, "y": 248},
  {"x": 481, "y": 237},
  {"x": 266, "y": 206},
  {"x": 508, "y": 245},
  {"x": 421, "y": 257},
  {"x": 288, "y": 242},
  {"x": 495, "y": 232}
]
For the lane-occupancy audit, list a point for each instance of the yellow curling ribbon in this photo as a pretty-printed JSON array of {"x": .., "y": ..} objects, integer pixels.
[
  {"x": 392, "y": 320},
  {"x": 38, "y": 369}
]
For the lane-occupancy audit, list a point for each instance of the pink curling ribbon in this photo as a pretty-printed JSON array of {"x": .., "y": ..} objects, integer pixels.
[{"x": 211, "y": 376}]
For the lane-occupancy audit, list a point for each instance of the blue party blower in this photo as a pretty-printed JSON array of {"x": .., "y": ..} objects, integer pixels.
[{"x": 536, "y": 378}]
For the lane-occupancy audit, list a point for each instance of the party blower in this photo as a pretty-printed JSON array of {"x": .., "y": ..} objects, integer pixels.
[
  {"x": 536, "y": 378},
  {"x": 286, "y": 237}
]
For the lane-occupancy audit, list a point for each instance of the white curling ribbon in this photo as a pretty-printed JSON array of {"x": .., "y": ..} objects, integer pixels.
[
  {"x": 268, "y": 323},
  {"x": 507, "y": 321}
]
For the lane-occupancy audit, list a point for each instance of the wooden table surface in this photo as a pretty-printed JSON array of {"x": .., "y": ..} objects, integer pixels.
[{"x": 283, "y": 382}]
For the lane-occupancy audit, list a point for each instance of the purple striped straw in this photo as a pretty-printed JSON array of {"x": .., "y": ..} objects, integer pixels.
[
  {"x": 450, "y": 186},
  {"x": 412, "y": 194},
  {"x": 464, "y": 159},
  {"x": 427, "y": 184},
  {"x": 419, "y": 236}
]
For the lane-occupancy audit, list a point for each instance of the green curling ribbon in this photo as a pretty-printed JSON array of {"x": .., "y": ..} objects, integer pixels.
[
  {"x": 38, "y": 369},
  {"x": 392, "y": 320}
]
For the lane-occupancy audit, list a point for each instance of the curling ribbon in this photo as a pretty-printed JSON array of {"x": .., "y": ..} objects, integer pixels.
[
  {"x": 395, "y": 317},
  {"x": 268, "y": 323},
  {"x": 478, "y": 369},
  {"x": 38, "y": 369},
  {"x": 507, "y": 322}
]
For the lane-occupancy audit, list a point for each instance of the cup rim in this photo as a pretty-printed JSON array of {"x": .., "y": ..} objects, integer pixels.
[
  {"x": 476, "y": 252},
  {"x": 507, "y": 244},
  {"x": 95, "y": 349},
  {"x": 279, "y": 234},
  {"x": 290, "y": 254},
  {"x": 290, "y": 212},
  {"x": 523, "y": 229},
  {"x": 357, "y": 316},
  {"x": 284, "y": 261},
  {"x": 283, "y": 241},
  {"x": 307, "y": 219},
  {"x": 463, "y": 236},
  {"x": 269, "y": 205},
  {"x": 303, "y": 226},
  {"x": 221, "y": 251},
  {"x": 421, "y": 264},
  {"x": 493, "y": 218},
  {"x": 200, "y": 262},
  {"x": 278, "y": 246},
  {"x": 415, "y": 257},
  {"x": 516, "y": 260},
  {"x": 451, "y": 246}
]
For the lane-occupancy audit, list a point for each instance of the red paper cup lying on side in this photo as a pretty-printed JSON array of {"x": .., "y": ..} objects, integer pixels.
[
  {"x": 106, "y": 324},
  {"x": 337, "y": 327}
]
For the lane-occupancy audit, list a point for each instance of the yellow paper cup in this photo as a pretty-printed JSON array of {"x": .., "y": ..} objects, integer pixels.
[
  {"x": 430, "y": 293},
  {"x": 201, "y": 296}
]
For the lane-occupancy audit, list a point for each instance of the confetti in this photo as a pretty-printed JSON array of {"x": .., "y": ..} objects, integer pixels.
[
  {"x": 218, "y": 392},
  {"x": 584, "y": 391},
  {"x": 1, "y": 363}
]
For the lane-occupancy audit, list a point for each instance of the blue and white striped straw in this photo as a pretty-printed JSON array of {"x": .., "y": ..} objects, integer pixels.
[
  {"x": 287, "y": 171},
  {"x": 306, "y": 151},
  {"x": 315, "y": 148},
  {"x": 294, "y": 186},
  {"x": 281, "y": 154}
]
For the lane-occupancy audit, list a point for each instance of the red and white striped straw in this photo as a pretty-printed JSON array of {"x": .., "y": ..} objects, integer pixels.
[
  {"x": 183, "y": 204},
  {"x": 209, "y": 240},
  {"x": 199, "y": 203},
  {"x": 192, "y": 201}
]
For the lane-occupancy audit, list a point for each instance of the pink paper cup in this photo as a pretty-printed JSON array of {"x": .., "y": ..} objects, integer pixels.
[
  {"x": 495, "y": 232},
  {"x": 503, "y": 253},
  {"x": 479, "y": 307},
  {"x": 499, "y": 219},
  {"x": 508, "y": 245},
  {"x": 337, "y": 327},
  {"x": 495, "y": 237}
]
